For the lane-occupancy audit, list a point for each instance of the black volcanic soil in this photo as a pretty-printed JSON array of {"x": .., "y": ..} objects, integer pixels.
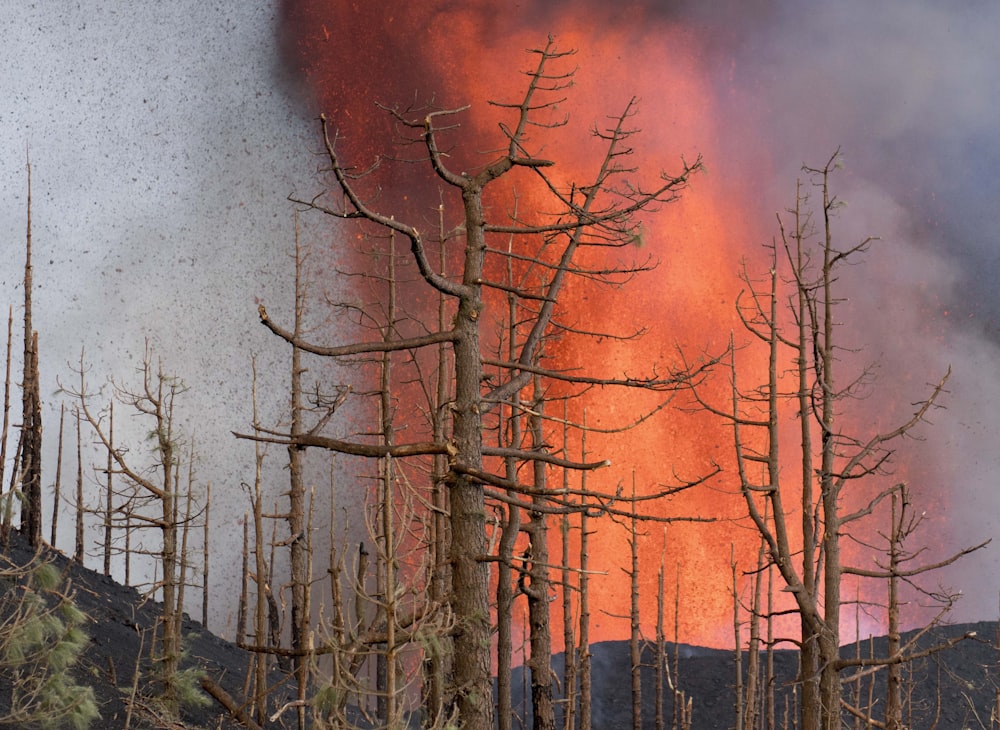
[
  {"x": 121, "y": 622},
  {"x": 950, "y": 690}
]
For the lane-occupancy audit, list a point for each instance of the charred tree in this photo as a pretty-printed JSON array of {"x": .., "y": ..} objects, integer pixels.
[
  {"x": 30, "y": 463},
  {"x": 57, "y": 486},
  {"x": 804, "y": 542},
  {"x": 563, "y": 239},
  {"x": 150, "y": 497}
]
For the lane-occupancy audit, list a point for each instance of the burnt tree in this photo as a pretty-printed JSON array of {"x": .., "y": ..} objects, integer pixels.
[
  {"x": 836, "y": 491},
  {"x": 575, "y": 230}
]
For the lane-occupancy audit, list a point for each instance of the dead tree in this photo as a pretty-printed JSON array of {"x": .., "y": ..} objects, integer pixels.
[
  {"x": 150, "y": 496},
  {"x": 898, "y": 568},
  {"x": 30, "y": 463},
  {"x": 804, "y": 542},
  {"x": 593, "y": 216},
  {"x": 6, "y": 505},
  {"x": 57, "y": 486},
  {"x": 80, "y": 510}
]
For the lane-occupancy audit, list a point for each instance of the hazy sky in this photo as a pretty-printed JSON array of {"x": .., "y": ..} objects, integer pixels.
[
  {"x": 162, "y": 152},
  {"x": 164, "y": 142}
]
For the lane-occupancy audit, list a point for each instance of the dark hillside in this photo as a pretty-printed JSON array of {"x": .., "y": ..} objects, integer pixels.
[
  {"x": 953, "y": 689},
  {"x": 950, "y": 690},
  {"x": 121, "y": 624}
]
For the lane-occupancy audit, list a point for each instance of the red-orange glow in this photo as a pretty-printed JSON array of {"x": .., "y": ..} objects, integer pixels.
[{"x": 357, "y": 54}]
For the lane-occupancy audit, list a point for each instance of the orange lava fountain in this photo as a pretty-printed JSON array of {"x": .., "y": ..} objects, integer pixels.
[{"x": 353, "y": 55}]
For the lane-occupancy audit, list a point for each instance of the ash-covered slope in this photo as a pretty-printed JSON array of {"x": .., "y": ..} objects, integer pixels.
[
  {"x": 121, "y": 625},
  {"x": 956, "y": 688}
]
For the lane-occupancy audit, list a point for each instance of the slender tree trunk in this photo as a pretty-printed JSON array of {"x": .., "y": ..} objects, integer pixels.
[
  {"x": 296, "y": 499},
  {"x": 538, "y": 592},
  {"x": 5, "y": 432},
  {"x": 242, "y": 611},
  {"x": 740, "y": 704},
  {"x": 261, "y": 572},
  {"x": 57, "y": 487},
  {"x": 204, "y": 557},
  {"x": 635, "y": 637},
  {"x": 171, "y": 644},
  {"x": 894, "y": 679},
  {"x": 583, "y": 653},
  {"x": 661, "y": 640},
  {"x": 510, "y": 530},
  {"x": 389, "y": 710},
  {"x": 829, "y": 643},
  {"x": 31, "y": 416},
  {"x": 809, "y": 661},
  {"x": 439, "y": 664},
  {"x": 753, "y": 647},
  {"x": 109, "y": 491},
  {"x": 769, "y": 705},
  {"x": 569, "y": 640},
  {"x": 78, "y": 551}
]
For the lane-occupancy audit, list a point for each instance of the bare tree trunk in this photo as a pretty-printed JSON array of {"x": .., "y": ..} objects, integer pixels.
[
  {"x": 183, "y": 560},
  {"x": 469, "y": 571},
  {"x": 57, "y": 487},
  {"x": 78, "y": 552},
  {"x": 660, "y": 653},
  {"x": 389, "y": 710},
  {"x": 510, "y": 529},
  {"x": 569, "y": 640},
  {"x": 440, "y": 662},
  {"x": 171, "y": 640},
  {"x": 109, "y": 506},
  {"x": 5, "y": 432},
  {"x": 740, "y": 703},
  {"x": 16, "y": 480},
  {"x": 809, "y": 661},
  {"x": 682, "y": 710},
  {"x": 635, "y": 637},
  {"x": 538, "y": 592},
  {"x": 204, "y": 556},
  {"x": 244, "y": 603},
  {"x": 753, "y": 647},
  {"x": 261, "y": 573},
  {"x": 769, "y": 705},
  {"x": 894, "y": 679},
  {"x": 584, "y": 645},
  {"x": 31, "y": 415},
  {"x": 296, "y": 498}
]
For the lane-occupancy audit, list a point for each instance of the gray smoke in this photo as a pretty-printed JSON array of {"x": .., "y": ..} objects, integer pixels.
[
  {"x": 162, "y": 150},
  {"x": 909, "y": 92}
]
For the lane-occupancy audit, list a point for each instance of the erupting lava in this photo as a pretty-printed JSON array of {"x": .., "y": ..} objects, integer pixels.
[{"x": 355, "y": 55}]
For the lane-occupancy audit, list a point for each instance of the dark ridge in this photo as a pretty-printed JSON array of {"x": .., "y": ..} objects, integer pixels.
[
  {"x": 120, "y": 623},
  {"x": 955, "y": 688},
  {"x": 952, "y": 689}
]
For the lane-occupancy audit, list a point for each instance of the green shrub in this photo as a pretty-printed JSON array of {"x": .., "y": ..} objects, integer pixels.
[{"x": 41, "y": 640}]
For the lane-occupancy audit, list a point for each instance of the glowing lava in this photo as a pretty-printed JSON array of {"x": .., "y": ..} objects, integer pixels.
[{"x": 355, "y": 55}]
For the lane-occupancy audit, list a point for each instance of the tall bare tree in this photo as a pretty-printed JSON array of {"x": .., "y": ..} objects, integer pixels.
[
  {"x": 804, "y": 542},
  {"x": 149, "y": 496},
  {"x": 30, "y": 464},
  {"x": 562, "y": 238}
]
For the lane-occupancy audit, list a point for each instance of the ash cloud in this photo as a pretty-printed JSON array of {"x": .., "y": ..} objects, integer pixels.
[{"x": 162, "y": 150}]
